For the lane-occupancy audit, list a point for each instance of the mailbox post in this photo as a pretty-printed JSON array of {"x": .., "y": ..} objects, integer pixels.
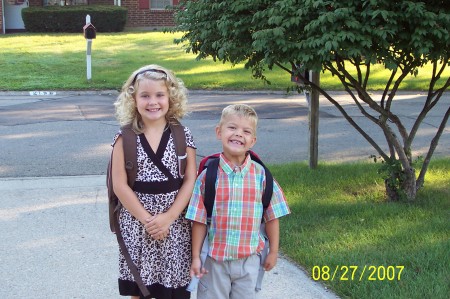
[{"x": 90, "y": 33}]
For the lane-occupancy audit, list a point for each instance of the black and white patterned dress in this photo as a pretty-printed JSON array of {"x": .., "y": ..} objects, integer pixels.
[{"x": 162, "y": 263}]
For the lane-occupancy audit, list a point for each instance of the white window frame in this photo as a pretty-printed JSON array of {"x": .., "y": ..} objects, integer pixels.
[{"x": 155, "y": 3}]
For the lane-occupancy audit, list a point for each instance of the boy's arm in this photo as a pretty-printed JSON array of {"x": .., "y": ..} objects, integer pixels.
[
  {"x": 273, "y": 233},
  {"x": 198, "y": 237}
]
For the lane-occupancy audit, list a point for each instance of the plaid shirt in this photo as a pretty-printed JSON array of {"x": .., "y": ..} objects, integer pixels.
[{"x": 234, "y": 232}]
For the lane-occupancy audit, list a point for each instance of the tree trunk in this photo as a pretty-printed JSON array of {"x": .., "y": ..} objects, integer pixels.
[
  {"x": 391, "y": 191},
  {"x": 409, "y": 184},
  {"x": 401, "y": 186}
]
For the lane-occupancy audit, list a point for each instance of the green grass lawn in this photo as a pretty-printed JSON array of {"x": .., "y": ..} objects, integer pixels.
[
  {"x": 340, "y": 219},
  {"x": 58, "y": 62}
]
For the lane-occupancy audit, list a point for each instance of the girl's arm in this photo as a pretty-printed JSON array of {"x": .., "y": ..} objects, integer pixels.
[
  {"x": 273, "y": 233},
  {"x": 158, "y": 225},
  {"x": 120, "y": 185}
]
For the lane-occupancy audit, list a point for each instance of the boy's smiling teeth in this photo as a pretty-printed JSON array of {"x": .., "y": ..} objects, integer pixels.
[{"x": 236, "y": 142}]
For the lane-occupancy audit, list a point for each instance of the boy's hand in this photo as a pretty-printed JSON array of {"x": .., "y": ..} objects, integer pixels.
[
  {"x": 271, "y": 261},
  {"x": 196, "y": 268}
]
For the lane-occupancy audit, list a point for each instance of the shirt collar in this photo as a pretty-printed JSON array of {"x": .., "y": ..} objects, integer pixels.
[{"x": 229, "y": 167}]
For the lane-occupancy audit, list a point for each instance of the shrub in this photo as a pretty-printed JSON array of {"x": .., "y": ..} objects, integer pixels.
[{"x": 105, "y": 18}]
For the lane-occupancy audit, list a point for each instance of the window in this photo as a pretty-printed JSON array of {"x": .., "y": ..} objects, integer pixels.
[{"x": 160, "y": 4}]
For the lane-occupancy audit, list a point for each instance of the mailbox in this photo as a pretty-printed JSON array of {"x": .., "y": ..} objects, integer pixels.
[
  {"x": 297, "y": 79},
  {"x": 89, "y": 31}
]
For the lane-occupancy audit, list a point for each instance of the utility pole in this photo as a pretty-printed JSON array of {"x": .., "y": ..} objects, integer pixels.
[
  {"x": 313, "y": 110},
  {"x": 312, "y": 98}
]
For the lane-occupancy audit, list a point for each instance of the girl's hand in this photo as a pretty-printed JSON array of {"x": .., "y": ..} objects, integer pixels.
[
  {"x": 160, "y": 236},
  {"x": 271, "y": 261},
  {"x": 157, "y": 226}
]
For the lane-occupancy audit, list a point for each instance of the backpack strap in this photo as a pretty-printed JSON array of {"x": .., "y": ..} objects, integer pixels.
[
  {"x": 130, "y": 154},
  {"x": 205, "y": 160},
  {"x": 130, "y": 157},
  {"x": 179, "y": 139},
  {"x": 212, "y": 166},
  {"x": 268, "y": 190},
  {"x": 131, "y": 265}
]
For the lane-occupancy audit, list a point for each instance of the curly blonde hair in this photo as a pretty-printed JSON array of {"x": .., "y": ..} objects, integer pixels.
[{"x": 126, "y": 110}]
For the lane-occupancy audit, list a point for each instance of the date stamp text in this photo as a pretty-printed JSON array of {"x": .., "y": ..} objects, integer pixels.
[{"x": 357, "y": 273}]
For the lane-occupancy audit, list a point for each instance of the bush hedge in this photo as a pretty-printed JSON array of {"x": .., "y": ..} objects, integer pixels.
[{"x": 105, "y": 18}]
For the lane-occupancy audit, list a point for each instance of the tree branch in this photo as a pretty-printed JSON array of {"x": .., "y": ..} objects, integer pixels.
[
  {"x": 366, "y": 78},
  {"x": 433, "y": 145},
  {"x": 394, "y": 118},
  {"x": 362, "y": 93},
  {"x": 285, "y": 68},
  {"x": 351, "y": 121},
  {"x": 387, "y": 88},
  {"x": 429, "y": 103},
  {"x": 334, "y": 71}
]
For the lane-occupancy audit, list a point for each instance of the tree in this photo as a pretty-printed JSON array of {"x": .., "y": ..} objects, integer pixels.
[{"x": 345, "y": 38}]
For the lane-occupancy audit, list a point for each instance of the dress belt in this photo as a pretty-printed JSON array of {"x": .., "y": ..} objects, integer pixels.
[{"x": 157, "y": 187}]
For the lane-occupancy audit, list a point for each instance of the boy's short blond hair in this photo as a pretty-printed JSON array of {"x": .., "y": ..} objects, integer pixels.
[
  {"x": 126, "y": 110},
  {"x": 242, "y": 110}
]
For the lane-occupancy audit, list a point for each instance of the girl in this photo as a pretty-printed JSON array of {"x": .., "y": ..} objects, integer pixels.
[{"x": 152, "y": 220}]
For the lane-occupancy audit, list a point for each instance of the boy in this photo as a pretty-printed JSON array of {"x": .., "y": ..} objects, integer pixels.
[{"x": 235, "y": 243}]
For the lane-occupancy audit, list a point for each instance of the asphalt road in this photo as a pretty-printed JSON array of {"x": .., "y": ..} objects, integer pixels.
[{"x": 70, "y": 133}]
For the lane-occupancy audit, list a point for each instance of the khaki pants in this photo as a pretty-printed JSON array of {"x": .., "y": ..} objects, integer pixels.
[{"x": 230, "y": 279}]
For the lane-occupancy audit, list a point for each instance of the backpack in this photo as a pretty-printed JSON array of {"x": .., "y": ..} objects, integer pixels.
[
  {"x": 130, "y": 155},
  {"x": 211, "y": 163}
]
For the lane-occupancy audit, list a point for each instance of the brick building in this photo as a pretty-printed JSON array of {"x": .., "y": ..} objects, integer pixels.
[{"x": 142, "y": 14}]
